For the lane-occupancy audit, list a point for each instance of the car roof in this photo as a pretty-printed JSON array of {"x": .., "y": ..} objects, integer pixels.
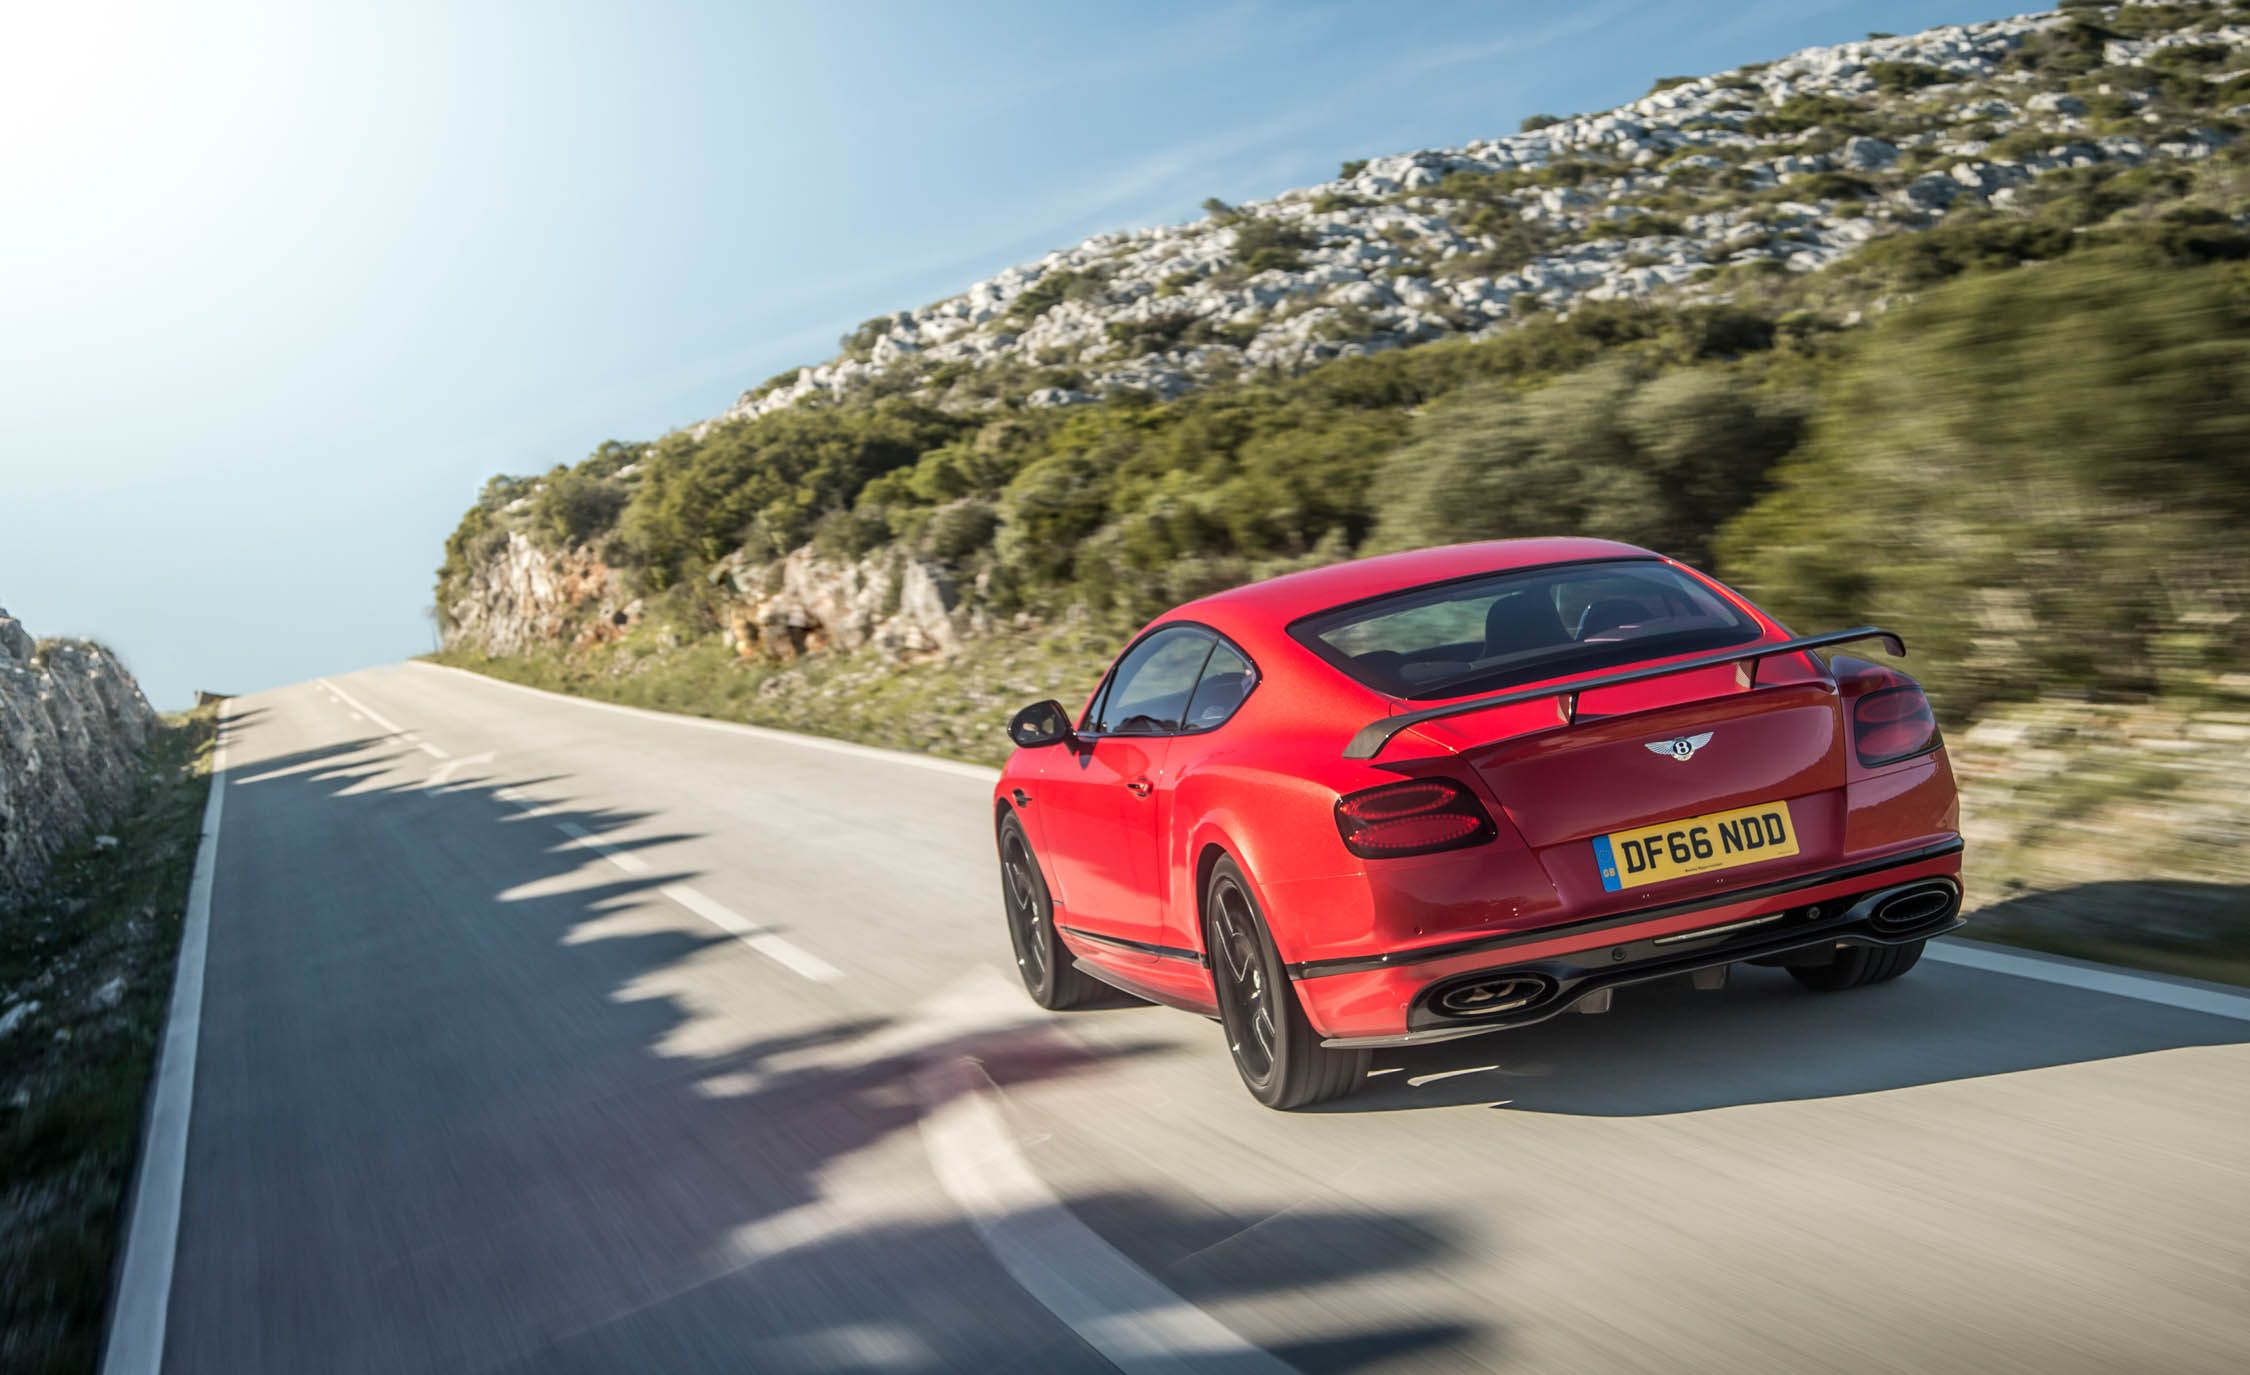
[{"x": 1275, "y": 602}]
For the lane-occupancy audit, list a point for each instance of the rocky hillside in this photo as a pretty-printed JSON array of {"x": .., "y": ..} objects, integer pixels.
[
  {"x": 1789, "y": 165},
  {"x": 72, "y": 724},
  {"x": 1116, "y": 424}
]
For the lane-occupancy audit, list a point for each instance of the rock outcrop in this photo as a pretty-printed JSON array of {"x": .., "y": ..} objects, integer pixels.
[
  {"x": 1456, "y": 242},
  {"x": 72, "y": 723},
  {"x": 804, "y": 603},
  {"x": 524, "y": 597}
]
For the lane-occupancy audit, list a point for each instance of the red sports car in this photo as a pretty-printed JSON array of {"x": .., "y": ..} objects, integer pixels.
[{"x": 1436, "y": 794}]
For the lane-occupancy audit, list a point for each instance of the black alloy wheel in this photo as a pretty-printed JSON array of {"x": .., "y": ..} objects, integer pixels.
[
  {"x": 1275, "y": 1048},
  {"x": 1049, "y": 975}
]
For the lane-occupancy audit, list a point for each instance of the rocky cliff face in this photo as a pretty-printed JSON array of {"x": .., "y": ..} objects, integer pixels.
[
  {"x": 524, "y": 596},
  {"x": 1758, "y": 168},
  {"x": 72, "y": 723},
  {"x": 804, "y": 603}
]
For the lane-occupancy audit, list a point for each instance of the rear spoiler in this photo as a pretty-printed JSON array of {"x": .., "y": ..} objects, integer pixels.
[{"x": 1371, "y": 738}]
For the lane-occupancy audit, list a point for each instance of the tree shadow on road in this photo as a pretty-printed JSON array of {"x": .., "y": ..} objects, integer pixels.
[{"x": 471, "y": 1097}]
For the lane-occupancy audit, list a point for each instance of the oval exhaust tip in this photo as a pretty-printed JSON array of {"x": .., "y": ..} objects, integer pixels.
[
  {"x": 1915, "y": 908},
  {"x": 1489, "y": 997}
]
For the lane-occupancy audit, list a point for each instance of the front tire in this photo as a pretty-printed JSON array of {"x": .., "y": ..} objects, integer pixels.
[
  {"x": 1275, "y": 1048},
  {"x": 1050, "y": 976},
  {"x": 1858, "y": 966}
]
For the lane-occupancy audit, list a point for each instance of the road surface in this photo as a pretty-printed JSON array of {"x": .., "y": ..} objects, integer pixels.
[{"x": 543, "y": 1036}]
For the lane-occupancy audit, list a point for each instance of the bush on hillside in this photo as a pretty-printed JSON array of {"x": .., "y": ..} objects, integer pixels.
[
  {"x": 2040, "y": 477},
  {"x": 761, "y": 484},
  {"x": 1617, "y": 451}
]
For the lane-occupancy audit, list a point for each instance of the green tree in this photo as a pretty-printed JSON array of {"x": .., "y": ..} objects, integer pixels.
[{"x": 2040, "y": 477}]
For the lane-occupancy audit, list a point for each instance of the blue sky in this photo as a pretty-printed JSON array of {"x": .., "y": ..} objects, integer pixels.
[{"x": 281, "y": 284}]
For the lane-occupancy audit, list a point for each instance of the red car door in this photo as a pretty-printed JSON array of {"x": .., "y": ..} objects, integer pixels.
[{"x": 1100, "y": 815}]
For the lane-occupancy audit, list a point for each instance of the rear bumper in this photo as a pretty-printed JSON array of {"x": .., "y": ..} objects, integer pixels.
[{"x": 1393, "y": 999}]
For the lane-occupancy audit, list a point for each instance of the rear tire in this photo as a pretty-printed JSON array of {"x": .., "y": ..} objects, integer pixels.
[
  {"x": 1050, "y": 976},
  {"x": 1275, "y": 1048},
  {"x": 1858, "y": 966}
]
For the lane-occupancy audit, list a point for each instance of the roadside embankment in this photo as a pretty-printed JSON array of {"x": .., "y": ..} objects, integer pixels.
[{"x": 86, "y": 965}]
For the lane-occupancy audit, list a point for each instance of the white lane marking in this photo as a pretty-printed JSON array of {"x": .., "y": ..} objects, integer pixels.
[
  {"x": 431, "y": 750},
  {"x": 1418, "y": 1080},
  {"x": 152, "y": 1233},
  {"x": 2098, "y": 978},
  {"x": 355, "y": 704},
  {"x": 630, "y": 863},
  {"x": 445, "y": 772},
  {"x": 1121, "y": 1310},
  {"x": 786, "y": 737},
  {"x": 785, "y": 953}
]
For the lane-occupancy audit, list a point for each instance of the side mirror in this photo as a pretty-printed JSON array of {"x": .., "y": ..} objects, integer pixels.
[{"x": 1041, "y": 723}]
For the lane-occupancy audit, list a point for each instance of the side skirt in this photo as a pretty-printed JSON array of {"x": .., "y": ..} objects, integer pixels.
[{"x": 1167, "y": 997}]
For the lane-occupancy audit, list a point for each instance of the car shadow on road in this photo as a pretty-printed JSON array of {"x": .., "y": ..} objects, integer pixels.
[
  {"x": 1668, "y": 1048},
  {"x": 471, "y": 1096}
]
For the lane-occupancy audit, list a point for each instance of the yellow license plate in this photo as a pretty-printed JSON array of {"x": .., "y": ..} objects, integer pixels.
[{"x": 1694, "y": 845}]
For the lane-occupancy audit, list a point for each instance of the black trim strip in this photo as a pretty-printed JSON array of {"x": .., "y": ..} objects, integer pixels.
[
  {"x": 1162, "y": 952},
  {"x": 1369, "y": 740},
  {"x": 1361, "y": 964}
]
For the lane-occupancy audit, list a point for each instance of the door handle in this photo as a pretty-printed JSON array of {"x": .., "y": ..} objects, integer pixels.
[{"x": 1139, "y": 787}]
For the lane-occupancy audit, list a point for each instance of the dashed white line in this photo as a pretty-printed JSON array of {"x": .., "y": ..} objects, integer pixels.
[
  {"x": 781, "y": 951},
  {"x": 445, "y": 771},
  {"x": 355, "y": 704},
  {"x": 144, "y": 1286},
  {"x": 630, "y": 863}
]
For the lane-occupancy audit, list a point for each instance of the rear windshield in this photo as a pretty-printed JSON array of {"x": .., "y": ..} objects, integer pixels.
[{"x": 1485, "y": 634}]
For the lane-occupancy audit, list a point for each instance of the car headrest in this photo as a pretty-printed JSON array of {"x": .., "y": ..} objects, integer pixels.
[
  {"x": 1608, "y": 614},
  {"x": 1521, "y": 621}
]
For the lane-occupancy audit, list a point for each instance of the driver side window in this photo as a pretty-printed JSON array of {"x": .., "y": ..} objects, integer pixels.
[{"x": 1148, "y": 695}]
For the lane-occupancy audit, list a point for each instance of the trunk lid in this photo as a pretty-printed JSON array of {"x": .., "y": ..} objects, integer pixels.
[{"x": 1622, "y": 766}]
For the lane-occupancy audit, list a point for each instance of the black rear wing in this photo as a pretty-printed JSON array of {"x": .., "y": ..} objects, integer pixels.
[{"x": 1371, "y": 738}]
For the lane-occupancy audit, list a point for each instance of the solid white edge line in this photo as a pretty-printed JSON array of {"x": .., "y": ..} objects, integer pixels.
[
  {"x": 2187, "y": 994},
  {"x": 781, "y": 951},
  {"x": 1128, "y": 1315},
  {"x": 785, "y": 737},
  {"x": 135, "y": 1345}
]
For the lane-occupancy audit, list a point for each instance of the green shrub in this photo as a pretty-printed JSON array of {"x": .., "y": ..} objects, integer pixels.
[
  {"x": 2039, "y": 477},
  {"x": 1658, "y": 460},
  {"x": 1897, "y": 78},
  {"x": 1051, "y": 290},
  {"x": 576, "y": 504},
  {"x": 761, "y": 484},
  {"x": 1638, "y": 225},
  {"x": 1262, "y": 244},
  {"x": 1805, "y": 111},
  {"x": 1533, "y": 123}
]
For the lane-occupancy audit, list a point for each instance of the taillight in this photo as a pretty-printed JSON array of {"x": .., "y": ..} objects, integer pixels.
[
  {"x": 1891, "y": 724},
  {"x": 1411, "y": 819}
]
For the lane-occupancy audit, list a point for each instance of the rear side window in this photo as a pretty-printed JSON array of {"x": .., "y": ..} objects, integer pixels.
[
  {"x": 1227, "y": 679},
  {"x": 1485, "y": 634},
  {"x": 1148, "y": 695}
]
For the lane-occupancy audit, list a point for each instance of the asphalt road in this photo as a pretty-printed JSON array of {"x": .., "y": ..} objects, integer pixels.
[{"x": 538, "y": 1036}]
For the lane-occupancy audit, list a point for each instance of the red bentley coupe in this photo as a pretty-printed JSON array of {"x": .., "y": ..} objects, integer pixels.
[{"x": 1442, "y": 793}]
